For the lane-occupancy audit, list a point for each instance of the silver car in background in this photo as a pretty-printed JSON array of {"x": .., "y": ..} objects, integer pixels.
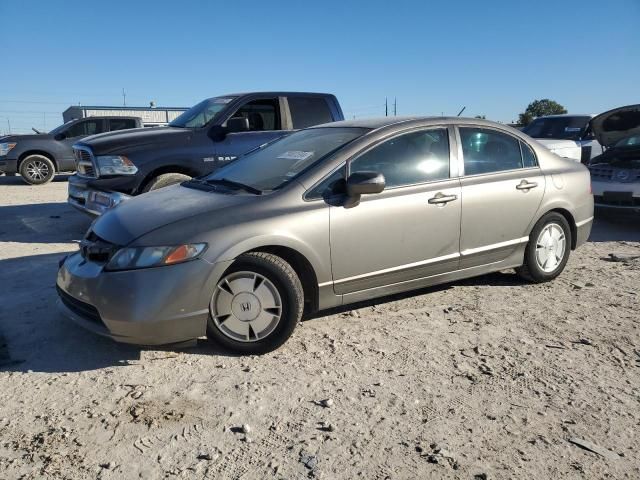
[{"x": 327, "y": 216}]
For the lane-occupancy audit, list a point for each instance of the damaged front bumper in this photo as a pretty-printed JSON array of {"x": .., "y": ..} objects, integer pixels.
[{"x": 92, "y": 201}]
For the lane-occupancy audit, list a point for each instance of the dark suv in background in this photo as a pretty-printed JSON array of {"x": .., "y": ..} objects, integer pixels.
[
  {"x": 38, "y": 157},
  {"x": 114, "y": 166}
]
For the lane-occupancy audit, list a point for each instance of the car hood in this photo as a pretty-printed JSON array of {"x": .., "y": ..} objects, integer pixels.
[
  {"x": 142, "y": 215},
  {"x": 35, "y": 136},
  {"x": 612, "y": 126},
  {"x": 125, "y": 141}
]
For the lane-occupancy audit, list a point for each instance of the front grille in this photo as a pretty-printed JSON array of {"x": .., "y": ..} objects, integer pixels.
[
  {"x": 83, "y": 309},
  {"x": 95, "y": 249},
  {"x": 614, "y": 174},
  {"x": 84, "y": 162},
  {"x": 617, "y": 201}
]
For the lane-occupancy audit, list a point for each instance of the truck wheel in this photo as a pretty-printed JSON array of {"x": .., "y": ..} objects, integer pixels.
[
  {"x": 256, "y": 305},
  {"x": 37, "y": 170},
  {"x": 165, "y": 180}
]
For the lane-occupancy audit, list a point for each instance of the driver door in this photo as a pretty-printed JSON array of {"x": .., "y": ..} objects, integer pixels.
[
  {"x": 408, "y": 231},
  {"x": 265, "y": 124}
]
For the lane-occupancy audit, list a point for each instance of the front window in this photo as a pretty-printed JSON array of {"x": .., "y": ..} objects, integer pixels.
[
  {"x": 88, "y": 127},
  {"x": 280, "y": 162},
  {"x": 261, "y": 114},
  {"x": 201, "y": 114},
  {"x": 558, "y": 128}
]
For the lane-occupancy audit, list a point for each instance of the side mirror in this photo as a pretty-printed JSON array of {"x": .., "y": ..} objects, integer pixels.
[
  {"x": 237, "y": 124},
  {"x": 362, "y": 183},
  {"x": 60, "y": 136}
]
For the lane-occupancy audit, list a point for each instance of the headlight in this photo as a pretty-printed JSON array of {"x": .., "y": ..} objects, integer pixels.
[
  {"x": 145, "y": 257},
  {"x": 5, "y": 148},
  {"x": 115, "y": 165}
]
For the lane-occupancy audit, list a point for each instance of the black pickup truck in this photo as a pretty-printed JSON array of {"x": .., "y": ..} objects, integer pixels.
[
  {"x": 38, "y": 157},
  {"x": 114, "y": 166}
]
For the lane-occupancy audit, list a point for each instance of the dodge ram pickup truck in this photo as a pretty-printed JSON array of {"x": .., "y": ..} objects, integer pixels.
[
  {"x": 38, "y": 157},
  {"x": 114, "y": 166}
]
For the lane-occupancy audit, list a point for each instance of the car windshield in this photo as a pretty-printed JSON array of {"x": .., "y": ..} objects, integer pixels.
[
  {"x": 60, "y": 128},
  {"x": 558, "y": 128},
  {"x": 632, "y": 141},
  {"x": 280, "y": 162},
  {"x": 202, "y": 113}
]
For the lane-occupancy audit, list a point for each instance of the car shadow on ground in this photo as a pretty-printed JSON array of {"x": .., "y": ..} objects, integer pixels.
[
  {"x": 17, "y": 179},
  {"x": 53, "y": 222},
  {"x": 607, "y": 228}
]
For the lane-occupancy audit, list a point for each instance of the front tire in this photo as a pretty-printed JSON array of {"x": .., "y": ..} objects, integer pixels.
[
  {"x": 165, "y": 180},
  {"x": 256, "y": 305},
  {"x": 37, "y": 170},
  {"x": 548, "y": 249}
]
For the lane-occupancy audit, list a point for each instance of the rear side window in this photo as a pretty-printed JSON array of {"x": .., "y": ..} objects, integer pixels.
[
  {"x": 528, "y": 157},
  {"x": 415, "y": 157},
  {"x": 309, "y": 111},
  {"x": 121, "y": 123},
  {"x": 488, "y": 151}
]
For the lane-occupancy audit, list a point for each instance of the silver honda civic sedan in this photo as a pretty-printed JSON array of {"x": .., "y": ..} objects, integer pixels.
[{"x": 326, "y": 216}]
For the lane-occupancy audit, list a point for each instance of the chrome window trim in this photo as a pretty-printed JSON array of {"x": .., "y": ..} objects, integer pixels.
[{"x": 494, "y": 246}]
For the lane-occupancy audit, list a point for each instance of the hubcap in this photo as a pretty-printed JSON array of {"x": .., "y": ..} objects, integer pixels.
[
  {"x": 37, "y": 170},
  {"x": 550, "y": 247},
  {"x": 246, "y": 306}
]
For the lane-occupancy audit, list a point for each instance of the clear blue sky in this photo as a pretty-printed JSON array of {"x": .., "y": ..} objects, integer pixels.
[{"x": 494, "y": 56}]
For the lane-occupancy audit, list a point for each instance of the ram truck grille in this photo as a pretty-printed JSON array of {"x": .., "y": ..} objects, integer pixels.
[{"x": 85, "y": 165}]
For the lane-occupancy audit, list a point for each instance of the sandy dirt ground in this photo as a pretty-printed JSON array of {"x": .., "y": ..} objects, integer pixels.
[{"x": 482, "y": 379}]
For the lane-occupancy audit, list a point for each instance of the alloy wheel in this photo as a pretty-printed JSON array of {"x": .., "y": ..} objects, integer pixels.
[{"x": 37, "y": 170}]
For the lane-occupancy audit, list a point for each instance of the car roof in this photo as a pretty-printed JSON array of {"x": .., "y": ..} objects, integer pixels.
[
  {"x": 382, "y": 122},
  {"x": 276, "y": 93}
]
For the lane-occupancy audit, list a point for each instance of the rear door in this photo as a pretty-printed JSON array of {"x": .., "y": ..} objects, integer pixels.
[
  {"x": 265, "y": 124},
  {"x": 502, "y": 188}
]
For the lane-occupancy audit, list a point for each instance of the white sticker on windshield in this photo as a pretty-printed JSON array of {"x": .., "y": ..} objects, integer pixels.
[{"x": 296, "y": 155}]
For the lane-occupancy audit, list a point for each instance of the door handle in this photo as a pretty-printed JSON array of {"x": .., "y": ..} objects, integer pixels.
[
  {"x": 442, "y": 199},
  {"x": 524, "y": 185}
]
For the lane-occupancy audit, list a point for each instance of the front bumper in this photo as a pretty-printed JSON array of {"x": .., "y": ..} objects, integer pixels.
[
  {"x": 90, "y": 200},
  {"x": 152, "y": 306},
  {"x": 8, "y": 165},
  {"x": 616, "y": 196}
]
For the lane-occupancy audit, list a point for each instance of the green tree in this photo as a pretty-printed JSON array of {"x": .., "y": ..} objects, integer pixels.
[{"x": 540, "y": 108}]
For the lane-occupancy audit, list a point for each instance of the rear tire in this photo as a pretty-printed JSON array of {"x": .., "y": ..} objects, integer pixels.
[
  {"x": 37, "y": 170},
  {"x": 256, "y": 305},
  {"x": 165, "y": 180},
  {"x": 548, "y": 249}
]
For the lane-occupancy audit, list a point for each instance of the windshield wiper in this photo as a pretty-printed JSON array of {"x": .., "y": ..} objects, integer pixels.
[{"x": 236, "y": 185}]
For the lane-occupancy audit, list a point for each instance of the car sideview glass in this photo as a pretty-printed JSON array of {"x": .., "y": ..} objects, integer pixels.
[
  {"x": 121, "y": 123},
  {"x": 488, "y": 151},
  {"x": 308, "y": 111},
  {"x": 276, "y": 164},
  {"x": 261, "y": 114},
  {"x": 408, "y": 159},
  {"x": 89, "y": 127}
]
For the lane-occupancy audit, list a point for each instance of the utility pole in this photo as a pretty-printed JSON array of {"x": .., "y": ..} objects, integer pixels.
[
  {"x": 9, "y": 123},
  {"x": 395, "y": 105},
  {"x": 386, "y": 107},
  {"x": 124, "y": 98}
]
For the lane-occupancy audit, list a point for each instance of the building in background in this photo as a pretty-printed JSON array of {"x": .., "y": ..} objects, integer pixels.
[{"x": 151, "y": 116}]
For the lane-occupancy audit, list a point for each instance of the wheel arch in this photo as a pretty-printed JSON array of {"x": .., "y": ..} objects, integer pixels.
[
  {"x": 301, "y": 261},
  {"x": 173, "y": 168},
  {"x": 568, "y": 217},
  {"x": 44, "y": 153}
]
